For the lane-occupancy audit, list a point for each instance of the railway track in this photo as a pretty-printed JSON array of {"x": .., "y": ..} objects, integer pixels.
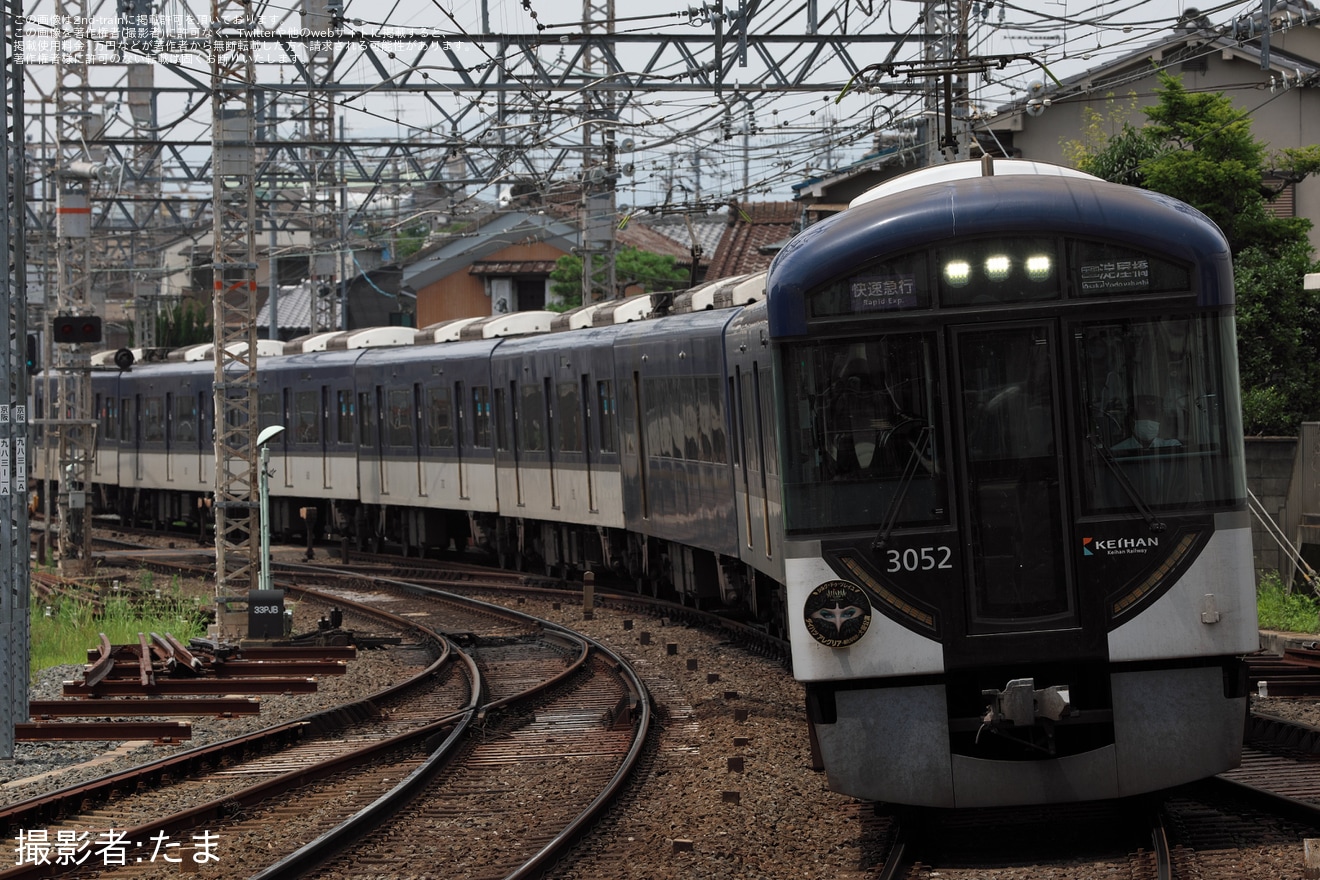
[
  {"x": 332, "y": 787},
  {"x": 1209, "y": 836}
]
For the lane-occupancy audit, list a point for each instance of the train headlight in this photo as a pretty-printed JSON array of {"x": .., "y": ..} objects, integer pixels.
[
  {"x": 1039, "y": 267},
  {"x": 997, "y": 268},
  {"x": 957, "y": 273}
]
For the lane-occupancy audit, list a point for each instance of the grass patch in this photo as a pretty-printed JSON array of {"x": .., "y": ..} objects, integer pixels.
[
  {"x": 63, "y": 631},
  {"x": 1286, "y": 611}
]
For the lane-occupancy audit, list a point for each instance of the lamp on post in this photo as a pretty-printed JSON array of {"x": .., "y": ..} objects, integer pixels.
[{"x": 263, "y": 479}]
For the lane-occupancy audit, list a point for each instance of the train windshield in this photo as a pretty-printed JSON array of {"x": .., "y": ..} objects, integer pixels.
[
  {"x": 861, "y": 434},
  {"x": 1157, "y": 429}
]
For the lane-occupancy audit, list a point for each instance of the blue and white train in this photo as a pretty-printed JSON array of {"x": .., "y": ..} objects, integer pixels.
[{"x": 973, "y": 444}]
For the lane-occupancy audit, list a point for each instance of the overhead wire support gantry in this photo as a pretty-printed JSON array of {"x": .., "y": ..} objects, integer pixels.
[
  {"x": 14, "y": 538},
  {"x": 234, "y": 290}
]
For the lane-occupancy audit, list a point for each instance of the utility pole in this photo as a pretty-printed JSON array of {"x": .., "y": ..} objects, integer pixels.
[
  {"x": 322, "y": 19},
  {"x": 599, "y": 166},
  {"x": 136, "y": 30},
  {"x": 70, "y": 413},
  {"x": 14, "y": 537},
  {"x": 948, "y": 133},
  {"x": 234, "y": 307}
]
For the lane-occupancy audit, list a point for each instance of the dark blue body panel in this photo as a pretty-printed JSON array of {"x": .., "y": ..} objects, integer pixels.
[{"x": 924, "y": 216}]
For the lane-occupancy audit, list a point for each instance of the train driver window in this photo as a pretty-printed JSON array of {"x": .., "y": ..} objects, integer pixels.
[
  {"x": 1153, "y": 427},
  {"x": 860, "y": 435}
]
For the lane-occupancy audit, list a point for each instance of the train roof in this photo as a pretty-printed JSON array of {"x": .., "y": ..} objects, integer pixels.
[{"x": 937, "y": 209}]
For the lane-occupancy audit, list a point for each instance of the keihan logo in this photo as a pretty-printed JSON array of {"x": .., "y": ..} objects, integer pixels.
[{"x": 1117, "y": 546}]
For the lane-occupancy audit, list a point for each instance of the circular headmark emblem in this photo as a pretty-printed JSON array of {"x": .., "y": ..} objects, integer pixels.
[{"x": 837, "y": 613}]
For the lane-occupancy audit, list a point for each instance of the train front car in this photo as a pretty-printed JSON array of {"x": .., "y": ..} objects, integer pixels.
[{"x": 1017, "y": 552}]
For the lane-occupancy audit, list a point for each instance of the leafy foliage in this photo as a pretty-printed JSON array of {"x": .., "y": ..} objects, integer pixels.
[
  {"x": 1199, "y": 148},
  {"x": 187, "y": 322},
  {"x": 632, "y": 268},
  {"x": 1283, "y": 610},
  {"x": 410, "y": 240}
]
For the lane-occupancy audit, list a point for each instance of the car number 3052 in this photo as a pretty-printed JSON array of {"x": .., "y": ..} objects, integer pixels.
[{"x": 920, "y": 558}]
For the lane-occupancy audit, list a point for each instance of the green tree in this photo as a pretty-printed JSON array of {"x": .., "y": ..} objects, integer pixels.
[
  {"x": 187, "y": 322},
  {"x": 1199, "y": 148},
  {"x": 632, "y": 268}
]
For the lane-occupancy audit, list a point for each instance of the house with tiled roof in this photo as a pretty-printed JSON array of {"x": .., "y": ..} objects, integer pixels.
[{"x": 754, "y": 233}]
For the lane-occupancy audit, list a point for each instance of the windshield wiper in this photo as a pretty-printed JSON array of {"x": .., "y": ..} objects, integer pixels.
[
  {"x": 919, "y": 448},
  {"x": 1130, "y": 490}
]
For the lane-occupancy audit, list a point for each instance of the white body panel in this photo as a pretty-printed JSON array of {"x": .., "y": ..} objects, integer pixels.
[
  {"x": 886, "y": 649},
  {"x": 1172, "y": 626}
]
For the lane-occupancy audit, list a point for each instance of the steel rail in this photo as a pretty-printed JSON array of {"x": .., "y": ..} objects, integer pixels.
[{"x": 49, "y": 806}]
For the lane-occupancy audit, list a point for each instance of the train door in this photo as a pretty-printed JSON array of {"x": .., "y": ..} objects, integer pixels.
[
  {"x": 203, "y": 438},
  {"x": 137, "y": 438},
  {"x": 171, "y": 428},
  {"x": 326, "y": 481},
  {"x": 99, "y": 435},
  {"x": 460, "y": 434},
  {"x": 551, "y": 432},
  {"x": 418, "y": 424},
  {"x": 1015, "y": 512},
  {"x": 584, "y": 403},
  {"x": 515, "y": 432},
  {"x": 382, "y": 434},
  {"x": 285, "y": 417},
  {"x": 643, "y": 446}
]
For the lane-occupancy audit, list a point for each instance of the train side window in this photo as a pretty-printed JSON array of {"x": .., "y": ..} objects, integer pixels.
[
  {"x": 440, "y": 415},
  {"x": 366, "y": 420},
  {"x": 605, "y": 411},
  {"x": 399, "y": 405},
  {"x": 481, "y": 417},
  {"x": 153, "y": 419},
  {"x": 767, "y": 391},
  {"x": 749, "y": 417},
  {"x": 126, "y": 420},
  {"x": 307, "y": 416},
  {"x": 531, "y": 418},
  {"x": 685, "y": 408},
  {"x": 185, "y": 419},
  {"x": 268, "y": 410},
  {"x": 344, "y": 404},
  {"x": 569, "y": 422}
]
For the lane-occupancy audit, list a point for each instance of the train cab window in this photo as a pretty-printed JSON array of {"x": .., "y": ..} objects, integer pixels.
[
  {"x": 153, "y": 419},
  {"x": 307, "y": 416},
  {"x": 481, "y": 416},
  {"x": 605, "y": 415},
  {"x": 185, "y": 419},
  {"x": 568, "y": 424},
  {"x": 860, "y": 434},
  {"x": 998, "y": 271},
  {"x": 399, "y": 417},
  {"x": 344, "y": 416},
  {"x": 440, "y": 416},
  {"x": 1156, "y": 434}
]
